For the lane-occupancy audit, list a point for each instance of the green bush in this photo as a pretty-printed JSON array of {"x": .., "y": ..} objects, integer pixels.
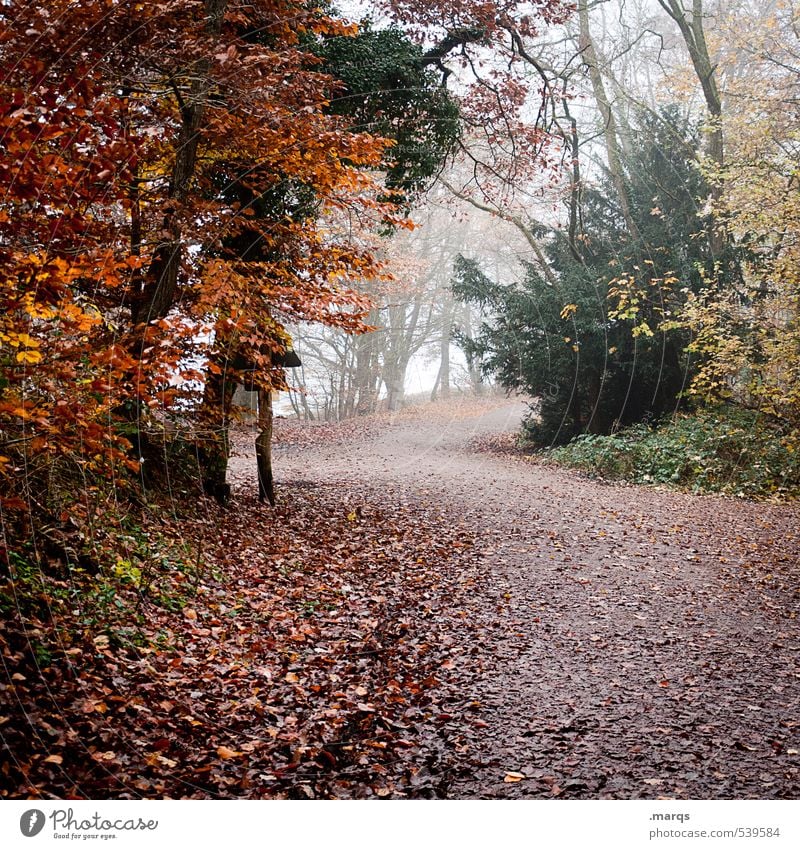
[
  {"x": 726, "y": 450},
  {"x": 590, "y": 338}
]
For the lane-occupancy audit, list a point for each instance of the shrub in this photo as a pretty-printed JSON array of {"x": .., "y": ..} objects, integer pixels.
[{"x": 725, "y": 450}]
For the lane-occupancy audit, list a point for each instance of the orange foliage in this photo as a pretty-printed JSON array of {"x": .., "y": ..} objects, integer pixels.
[{"x": 121, "y": 266}]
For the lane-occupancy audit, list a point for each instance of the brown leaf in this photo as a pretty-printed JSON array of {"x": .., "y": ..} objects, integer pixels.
[{"x": 226, "y": 754}]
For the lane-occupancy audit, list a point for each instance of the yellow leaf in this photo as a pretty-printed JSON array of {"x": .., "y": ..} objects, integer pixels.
[
  {"x": 35, "y": 310},
  {"x": 29, "y": 357}
]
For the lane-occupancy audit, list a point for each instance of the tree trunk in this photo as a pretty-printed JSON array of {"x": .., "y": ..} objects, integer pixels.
[
  {"x": 589, "y": 54},
  {"x": 402, "y": 328},
  {"x": 693, "y": 32},
  {"x": 475, "y": 378},
  {"x": 161, "y": 281},
  {"x": 394, "y": 380},
  {"x": 441, "y": 389},
  {"x": 264, "y": 447},
  {"x": 575, "y": 188},
  {"x": 367, "y": 370},
  {"x": 214, "y": 447},
  {"x": 308, "y": 415}
]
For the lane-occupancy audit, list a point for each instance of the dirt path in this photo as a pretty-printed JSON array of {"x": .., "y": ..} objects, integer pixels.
[{"x": 617, "y": 641}]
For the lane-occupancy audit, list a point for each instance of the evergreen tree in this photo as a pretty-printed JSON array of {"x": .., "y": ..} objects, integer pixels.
[
  {"x": 597, "y": 350},
  {"x": 385, "y": 87}
]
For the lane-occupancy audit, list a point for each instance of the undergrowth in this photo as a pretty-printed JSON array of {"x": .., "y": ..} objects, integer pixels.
[
  {"x": 72, "y": 592},
  {"x": 726, "y": 450}
]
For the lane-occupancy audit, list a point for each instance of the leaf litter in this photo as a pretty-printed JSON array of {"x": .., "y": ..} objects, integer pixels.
[
  {"x": 304, "y": 664},
  {"x": 468, "y": 625}
]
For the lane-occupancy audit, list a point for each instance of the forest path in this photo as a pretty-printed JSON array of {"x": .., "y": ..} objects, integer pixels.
[{"x": 617, "y": 640}]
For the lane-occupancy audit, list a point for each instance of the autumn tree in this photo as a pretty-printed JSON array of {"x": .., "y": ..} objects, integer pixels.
[
  {"x": 166, "y": 170},
  {"x": 506, "y": 94},
  {"x": 67, "y": 166},
  {"x": 746, "y": 336}
]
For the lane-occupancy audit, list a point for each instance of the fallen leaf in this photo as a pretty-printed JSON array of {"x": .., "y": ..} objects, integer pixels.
[{"x": 226, "y": 754}]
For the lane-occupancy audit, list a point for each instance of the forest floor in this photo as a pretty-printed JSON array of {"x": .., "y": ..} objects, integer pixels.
[
  {"x": 428, "y": 612},
  {"x": 607, "y": 640}
]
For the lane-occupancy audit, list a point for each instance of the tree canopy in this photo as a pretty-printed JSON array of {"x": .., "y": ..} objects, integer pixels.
[{"x": 175, "y": 178}]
